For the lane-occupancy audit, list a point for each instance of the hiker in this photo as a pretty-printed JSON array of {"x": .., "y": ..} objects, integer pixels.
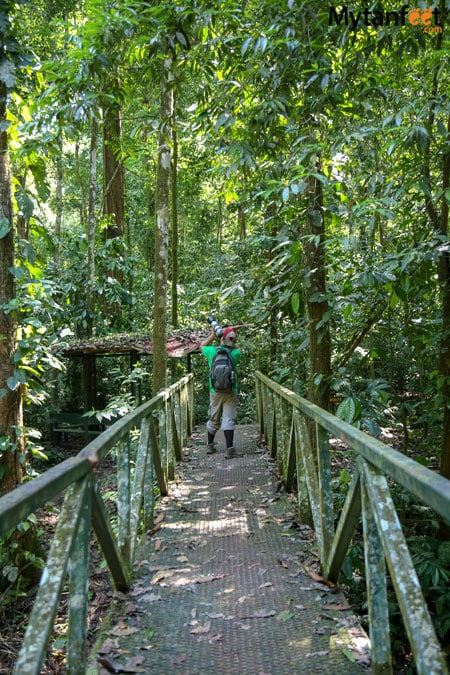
[{"x": 223, "y": 388}]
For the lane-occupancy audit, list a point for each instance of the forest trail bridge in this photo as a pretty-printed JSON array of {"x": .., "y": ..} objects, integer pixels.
[
  {"x": 223, "y": 585},
  {"x": 226, "y": 583}
]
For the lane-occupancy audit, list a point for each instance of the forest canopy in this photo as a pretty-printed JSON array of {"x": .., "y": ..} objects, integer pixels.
[{"x": 280, "y": 165}]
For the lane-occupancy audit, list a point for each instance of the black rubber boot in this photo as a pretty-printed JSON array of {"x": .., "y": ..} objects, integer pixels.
[
  {"x": 211, "y": 448},
  {"x": 229, "y": 435}
]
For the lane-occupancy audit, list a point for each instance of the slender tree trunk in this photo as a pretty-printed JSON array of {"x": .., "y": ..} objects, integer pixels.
[
  {"x": 219, "y": 222},
  {"x": 22, "y": 223},
  {"x": 113, "y": 172},
  {"x": 273, "y": 316},
  {"x": 242, "y": 223},
  {"x": 91, "y": 229},
  {"x": 59, "y": 205},
  {"x": 83, "y": 205},
  {"x": 444, "y": 354},
  {"x": 319, "y": 330},
  {"x": 162, "y": 229},
  {"x": 10, "y": 390},
  {"x": 175, "y": 251},
  {"x": 175, "y": 242},
  {"x": 439, "y": 216}
]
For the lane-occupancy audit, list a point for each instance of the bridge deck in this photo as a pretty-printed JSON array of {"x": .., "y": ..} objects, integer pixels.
[{"x": 229, "y": 582}]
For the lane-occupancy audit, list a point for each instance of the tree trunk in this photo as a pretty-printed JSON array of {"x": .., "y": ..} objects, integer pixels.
[
  {"x": 162, "y": 229},
  {"x": 444, "y": 354},
  {"x": 174, "y": 222},
  {"x": 242, "y": 223},
  {"x": 11, "y": 444},
  {"x": 315, "y": 286},
  {"x": 59, "y": 203},
  {"x": 113, "y": 190},
  {"x": 438, "y": 216},
  {"x": 91, "y": 229},
  {"x": 175, "y": 247},
  {"x": 273, "y": 316},
  {"x": 113, "y": 172},
  {"x": 219, "y": 230}
]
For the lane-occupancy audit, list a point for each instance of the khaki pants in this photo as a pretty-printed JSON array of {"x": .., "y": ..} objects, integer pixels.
[{"x": 222, "y": 411}]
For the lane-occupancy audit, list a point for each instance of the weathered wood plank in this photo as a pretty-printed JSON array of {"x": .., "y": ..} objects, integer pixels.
[{"x": 34, "y": 646}]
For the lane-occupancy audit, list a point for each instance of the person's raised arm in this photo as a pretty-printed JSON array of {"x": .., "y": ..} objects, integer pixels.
[{"x": 207, "y": 341}]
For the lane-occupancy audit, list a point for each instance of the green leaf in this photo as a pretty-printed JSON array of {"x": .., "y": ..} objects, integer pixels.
[
  {"x": 295, "y": 302},
  {"x": 245, "y": 46},
  {"x": 349, "y": 655},
  {"x": 447, "y": 195},
  {"x": 371, "y": 426},
  {"x": 5, "y": 228},
  {"x": 36, "y": 452},
  {"x": 11, "y": 573},
  {"x": 347, "y": 410},
  {"x": 285, "y": 615},
  {"x": 12, "y": 382}
]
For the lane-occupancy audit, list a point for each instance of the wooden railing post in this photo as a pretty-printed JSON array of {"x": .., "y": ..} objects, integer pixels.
[
  {"x": 124, "y": 496},
  {"x": 79, "y": 584}
]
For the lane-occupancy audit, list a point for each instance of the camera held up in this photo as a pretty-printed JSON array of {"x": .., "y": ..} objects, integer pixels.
[{"x": 217, "y": 328}]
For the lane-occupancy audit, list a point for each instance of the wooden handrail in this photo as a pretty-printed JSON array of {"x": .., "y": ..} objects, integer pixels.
[
  {"x": 285, "y": 420},
  {"x": 160, "y": 429}
]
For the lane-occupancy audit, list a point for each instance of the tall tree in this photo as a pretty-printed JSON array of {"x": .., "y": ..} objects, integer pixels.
[
  {"x": 11, "y": 439},
  {"x": 162, "y": 223},
  {"x": 314, "y": 240}
]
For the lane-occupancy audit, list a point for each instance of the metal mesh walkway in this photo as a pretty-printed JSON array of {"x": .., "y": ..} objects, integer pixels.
[{"x": 228, "y": 582}]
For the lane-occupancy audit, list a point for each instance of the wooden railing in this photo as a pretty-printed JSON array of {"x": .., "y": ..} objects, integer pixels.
[
  {"x": 288, "y": 422},
  {"x": 148, "y": 442}
]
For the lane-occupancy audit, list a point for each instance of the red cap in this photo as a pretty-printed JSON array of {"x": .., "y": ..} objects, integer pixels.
[{"x": 229, "y": 335}]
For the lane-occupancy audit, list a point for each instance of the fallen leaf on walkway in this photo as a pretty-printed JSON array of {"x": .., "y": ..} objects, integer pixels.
[
  {"x": 154, "y": 530},
  {"x": 151, "y": 597},
  {"x": 180, "y": 659},
  {"x": 138, "y": 590},
  {"x": 285, "y": 615},
  {"x": 135, "y": 661},
  {"x": 122, "y": 629},
  {"x": 162, "y": 574},
  {"x": 131, "y": 608},
  {"x": 283, "y": 563},
  {"x": 201, "y": 630},
  {"x": 311, "y": 655},
  {"x": 109, "y": 665},
  {"x": 263, "y": 614},
  {"x": 182, "y": 559},
  {"x": 339, "y": 608},
  {"x": 131, "y": 666},
  {"x": 216, "y": 638},
  {"x": 158, "y": 544},
  {"x": 109, "y": 646},
  {"x": 208, "y": 578},
  {"x": 321, "y": 580},
  {"x": 159, "y": 518}
]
